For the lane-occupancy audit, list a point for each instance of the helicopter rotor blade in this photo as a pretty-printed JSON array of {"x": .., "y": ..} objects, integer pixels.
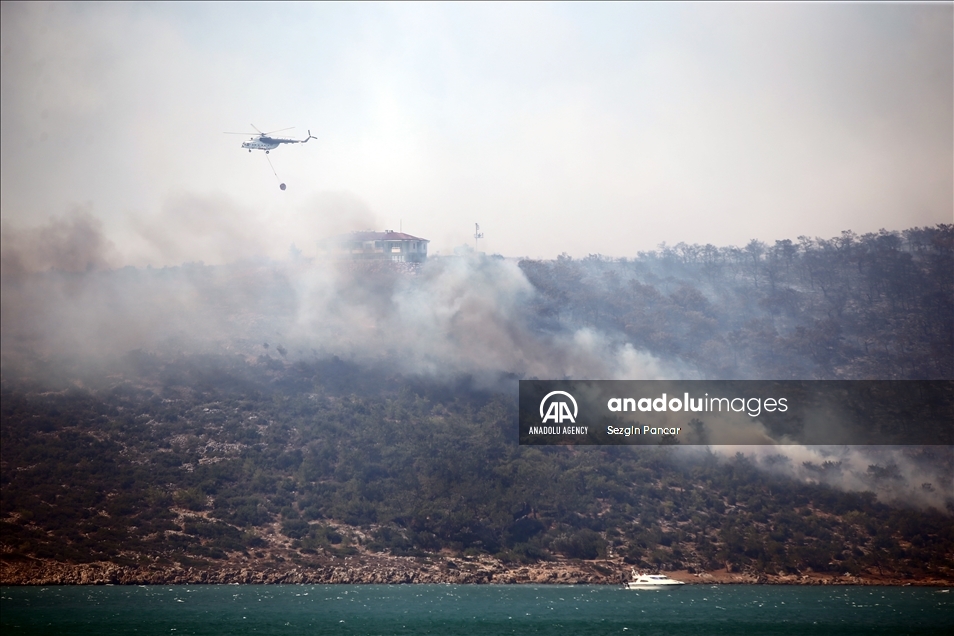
[
  {"x": 239, "y": 133},
  {"x": 272, "y": 132},
  {"x": 256, "y": 129}
]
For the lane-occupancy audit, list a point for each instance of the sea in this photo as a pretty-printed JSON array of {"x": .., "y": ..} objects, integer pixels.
[{"x": 474, "y": 610}]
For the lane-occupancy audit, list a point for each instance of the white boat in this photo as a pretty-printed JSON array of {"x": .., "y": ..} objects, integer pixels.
[{"x": 651, "y": 582}]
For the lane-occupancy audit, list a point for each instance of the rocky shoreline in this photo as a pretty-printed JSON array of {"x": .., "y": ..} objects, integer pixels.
[{"x": 401, "y": 570}]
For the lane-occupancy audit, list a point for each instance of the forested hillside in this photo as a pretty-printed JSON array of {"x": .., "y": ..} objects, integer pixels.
[
  {"x": 200, "y": 459},
  {"x": 877, "y": 306}
]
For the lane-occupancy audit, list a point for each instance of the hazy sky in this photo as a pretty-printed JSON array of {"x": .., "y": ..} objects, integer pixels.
[{"x": 575, "y": 128}]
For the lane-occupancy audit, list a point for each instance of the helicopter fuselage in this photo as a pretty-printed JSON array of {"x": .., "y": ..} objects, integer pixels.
[{"x": 265, "y": 143}]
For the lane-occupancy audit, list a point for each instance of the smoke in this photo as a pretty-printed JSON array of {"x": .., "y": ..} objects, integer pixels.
[
  {"x": 221, "y": 230},
  {"x": 460, "y": 315},
  {"x": 468, "y": 315},
  {"x": 71, "y": 250},
  {"x": 912, "y": 476},
  {"x": 74, "y": 244},
  {"x": 64, "y": 297}
]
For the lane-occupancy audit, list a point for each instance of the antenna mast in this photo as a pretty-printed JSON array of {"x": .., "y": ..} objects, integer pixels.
[{"x": 477, "y": 235}]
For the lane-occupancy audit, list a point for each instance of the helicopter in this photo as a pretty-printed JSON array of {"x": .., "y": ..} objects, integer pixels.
[{"x": 266, "y": 143}]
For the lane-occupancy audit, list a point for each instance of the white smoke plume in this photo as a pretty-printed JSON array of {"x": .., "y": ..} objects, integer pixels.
[
  {"x": 450, "y": 316},
  {"x": 911, "y": 476}
]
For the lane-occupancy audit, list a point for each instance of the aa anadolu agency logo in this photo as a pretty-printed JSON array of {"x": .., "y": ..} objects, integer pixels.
[{"x": 558, "y": 410}]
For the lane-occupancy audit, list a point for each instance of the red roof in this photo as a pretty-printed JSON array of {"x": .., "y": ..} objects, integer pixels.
[{"x": 387, "y": 235}]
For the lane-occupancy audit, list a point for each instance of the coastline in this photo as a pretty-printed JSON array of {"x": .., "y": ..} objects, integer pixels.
[{"x": 383, "y": 569}]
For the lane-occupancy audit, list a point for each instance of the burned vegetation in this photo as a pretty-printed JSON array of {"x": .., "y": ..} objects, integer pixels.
[{"x": 165, "y": 458}]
